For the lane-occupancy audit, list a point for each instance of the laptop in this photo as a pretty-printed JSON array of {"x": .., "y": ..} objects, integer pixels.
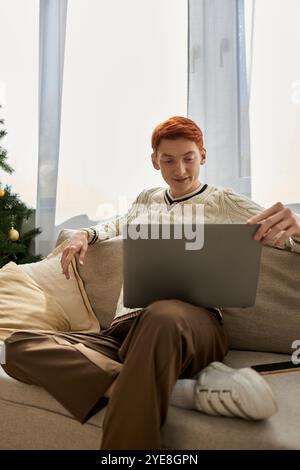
[{"x": 222, "y": 272}]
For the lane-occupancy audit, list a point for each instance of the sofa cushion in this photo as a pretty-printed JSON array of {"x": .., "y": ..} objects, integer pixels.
[
  {"x": 68, "y": 293},
  {"x": 28, "y": 407},
  {"x": 24, "y": 305},
  {"x": 187, "y": 429},
  {"x": 33, "y": 419},
  {"x": 102, "y": 276},
  {"x": 274, "y": 322}
]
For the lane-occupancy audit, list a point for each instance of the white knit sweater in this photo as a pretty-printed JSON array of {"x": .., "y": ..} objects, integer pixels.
[{"x": 221, "y": 206}]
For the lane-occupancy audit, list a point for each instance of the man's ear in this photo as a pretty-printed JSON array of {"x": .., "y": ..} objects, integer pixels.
[{"x": 154, "y": 161}]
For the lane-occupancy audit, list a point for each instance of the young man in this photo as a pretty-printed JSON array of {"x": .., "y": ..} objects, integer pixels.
[{"x": 170, "y": 351}]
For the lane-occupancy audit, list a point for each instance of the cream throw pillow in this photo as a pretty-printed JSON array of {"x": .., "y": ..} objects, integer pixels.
[
  {"x": 25, "y": 306},
  {"x": 68, "y": 293}
]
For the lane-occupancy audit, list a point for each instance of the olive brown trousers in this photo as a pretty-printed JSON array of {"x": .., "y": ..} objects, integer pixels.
[{"x": 166, "y": 341}]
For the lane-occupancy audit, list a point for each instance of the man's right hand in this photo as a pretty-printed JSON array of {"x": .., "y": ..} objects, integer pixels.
[{"x": 78, "y": 244}]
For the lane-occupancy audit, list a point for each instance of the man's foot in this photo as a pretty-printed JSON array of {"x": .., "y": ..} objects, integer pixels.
[
  {"x": 183, "y": 394},
  {"x": 221, "y": 390}
]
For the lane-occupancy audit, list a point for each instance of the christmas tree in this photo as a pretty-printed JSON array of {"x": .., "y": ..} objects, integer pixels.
[{"x": 14, "y": 240}]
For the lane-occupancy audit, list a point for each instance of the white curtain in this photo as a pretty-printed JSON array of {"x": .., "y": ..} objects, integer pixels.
[{"x": 51, "y": 60}]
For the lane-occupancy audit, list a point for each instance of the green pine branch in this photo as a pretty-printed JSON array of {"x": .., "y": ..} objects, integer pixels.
[
  {"x": 13, "y": 213},
  {"x": 30, "y": 259},
  {"x": 28, "y": 236},
  {"x": 3, "y": 152},
  {"x": 3, "y": 163}
]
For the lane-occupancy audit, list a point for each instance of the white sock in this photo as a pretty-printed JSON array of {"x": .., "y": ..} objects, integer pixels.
[{"x": 183, "y": 394}]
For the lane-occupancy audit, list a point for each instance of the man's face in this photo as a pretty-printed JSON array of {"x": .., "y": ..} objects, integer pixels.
[{"x": 179, "y": 162}]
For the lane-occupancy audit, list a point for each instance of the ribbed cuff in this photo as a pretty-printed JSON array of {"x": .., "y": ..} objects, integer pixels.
[{"x": 92, "y": 235}]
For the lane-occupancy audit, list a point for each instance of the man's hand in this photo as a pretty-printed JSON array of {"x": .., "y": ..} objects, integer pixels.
[
  {"x": 78, "y": 244},
  {"x": 276, "y": 219}
]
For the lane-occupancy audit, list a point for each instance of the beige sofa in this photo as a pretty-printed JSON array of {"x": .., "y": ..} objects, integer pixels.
[{"x": 32, "y": 419}]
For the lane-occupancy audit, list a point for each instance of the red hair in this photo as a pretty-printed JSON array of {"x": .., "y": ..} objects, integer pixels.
[{"x": 178, "y": 127}]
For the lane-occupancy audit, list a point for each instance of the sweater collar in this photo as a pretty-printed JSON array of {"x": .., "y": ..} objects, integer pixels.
[{"x": 170, "y": 200}]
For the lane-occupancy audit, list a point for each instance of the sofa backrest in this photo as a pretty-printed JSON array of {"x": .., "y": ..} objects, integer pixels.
[{"x": 272, "y": 325}]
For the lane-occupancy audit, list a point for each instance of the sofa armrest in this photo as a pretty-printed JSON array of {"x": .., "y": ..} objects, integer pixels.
[
  {"x": 64, "y": 234},
  {"x": 68, "y": 232}
]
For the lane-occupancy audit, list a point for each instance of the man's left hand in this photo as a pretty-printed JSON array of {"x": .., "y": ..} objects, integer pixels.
[{"x": 276, "y": 219}]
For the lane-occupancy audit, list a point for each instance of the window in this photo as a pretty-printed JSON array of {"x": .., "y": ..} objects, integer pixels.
[
  {"x": 273, "y": 44},
  {"x": 125, "y": 71},
  {"x": 218, "y": 95}
]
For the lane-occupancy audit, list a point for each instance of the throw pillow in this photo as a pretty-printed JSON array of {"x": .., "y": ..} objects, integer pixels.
[
  {"x": 25, "y": 306},
  {"x": 68, "y": 293}
]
